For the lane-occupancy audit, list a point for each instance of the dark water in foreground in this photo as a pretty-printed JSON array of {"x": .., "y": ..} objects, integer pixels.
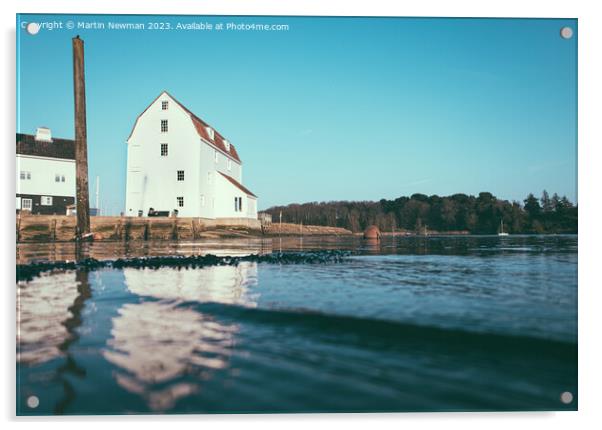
[{"x": 411, "y": 324}]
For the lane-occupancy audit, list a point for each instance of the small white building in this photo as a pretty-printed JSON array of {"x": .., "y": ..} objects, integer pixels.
[
  {"x": 176, "y": 161},
  {"x": 45, "y": 173}
]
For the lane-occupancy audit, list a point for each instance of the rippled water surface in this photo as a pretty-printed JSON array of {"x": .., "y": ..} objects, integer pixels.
[{"x": 407, "y": 324}]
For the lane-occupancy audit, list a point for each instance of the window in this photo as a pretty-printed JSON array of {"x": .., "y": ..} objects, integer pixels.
[
  {"x": 237, "y": 204},
  {"x": 202, "y": 200},
  {"x": 57, "y": 178},
  {"x": 46, "y": 201},
  {"x": 164, "y": 105},
  {"x": 25, "y": 175},
  {"x": 62, "y": 178},
  {"x": 208, "y": 176},
  {"x": 180, "y": 202},
  {"x": 240, "y": 204},
  {"x": 163, "y": 126},
  {"x": 26, "y": 204},
  {"x": 229, "y": 164},
  {"x": 216, "y": 157},
  {"x": 164, "y": 150},
  {"x": 180, "y": 175},
  {"x": 227, "y": 145},
  {"x": 211, "y": 133}
]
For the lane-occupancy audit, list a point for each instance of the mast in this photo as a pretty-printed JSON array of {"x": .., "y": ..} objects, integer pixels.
[{"x": 98, "y": 195}]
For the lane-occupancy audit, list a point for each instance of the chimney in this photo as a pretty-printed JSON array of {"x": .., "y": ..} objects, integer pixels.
[{"x": 43, "y": 134}]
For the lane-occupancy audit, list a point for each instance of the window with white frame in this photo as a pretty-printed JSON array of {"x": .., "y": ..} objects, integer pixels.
[
  {"x": 25, "y": 175},
  {"x": 163, "y": 126},
  {"x": 164, "y": 150},
  {"x": 202, "y": 200},
  {"x": 227, "y": 145},
  {"x": 180, "y": 202},
  {"x": 164, "y": 105},
  {"x": 211, "y": 133},
  {"x": 62, "y": 178},
  {"x": 57, "y": 178},
  {"x": 216, "y": 157},
  {"x": 229, "y": 164},
  {"x": 180, "y": 175},
  {"x": 46, "y": 200},
  {"x": 26, "y": 204},
  {"x": 208, "y": 176}
]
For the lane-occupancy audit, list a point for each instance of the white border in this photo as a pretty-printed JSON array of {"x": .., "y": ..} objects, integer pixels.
[{"x": 590, "y": 140}]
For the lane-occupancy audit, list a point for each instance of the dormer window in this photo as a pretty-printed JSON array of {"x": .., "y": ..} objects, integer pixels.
[
  {"x": 227, "y": 145},
  {"x": 164, "y": 105},
  {"x": 211, "y": 133}
]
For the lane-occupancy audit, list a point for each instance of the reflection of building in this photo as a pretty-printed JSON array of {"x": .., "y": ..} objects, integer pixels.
[
  {"x": 42, "y": 310},
  {"x": 177, "y": 161},
  {"x": 220, "y": 284},
  {"x": 155, "y": 343},
  {"x": 45, "y": 173}
]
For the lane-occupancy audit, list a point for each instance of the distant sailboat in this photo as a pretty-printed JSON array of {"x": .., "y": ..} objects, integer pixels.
[{"x": 501, "y": 232}]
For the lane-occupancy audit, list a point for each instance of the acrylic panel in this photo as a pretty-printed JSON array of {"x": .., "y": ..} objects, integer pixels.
[{"x": 278, "y": 214}]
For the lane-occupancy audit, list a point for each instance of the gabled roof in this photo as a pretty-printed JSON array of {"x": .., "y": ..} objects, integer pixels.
[
  {"x": 201, "y": 128},
  {"x": 58, "y": 148},
  {"x": 238, "y": 185}
]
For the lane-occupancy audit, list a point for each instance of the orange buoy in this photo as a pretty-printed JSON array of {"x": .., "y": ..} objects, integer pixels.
[{"x": 372, "y": 232}]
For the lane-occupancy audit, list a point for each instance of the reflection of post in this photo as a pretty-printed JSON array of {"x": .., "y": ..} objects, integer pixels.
[
  {"x": 72, "y": 324},
  {"x": 81, "y": 144}
]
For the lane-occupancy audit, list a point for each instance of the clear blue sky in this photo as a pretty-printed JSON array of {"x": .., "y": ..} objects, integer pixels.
[{"x": 333, "y": 108}]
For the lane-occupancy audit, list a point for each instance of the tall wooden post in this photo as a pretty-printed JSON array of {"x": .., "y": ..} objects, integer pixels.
[{"x": 81, "y": 144}]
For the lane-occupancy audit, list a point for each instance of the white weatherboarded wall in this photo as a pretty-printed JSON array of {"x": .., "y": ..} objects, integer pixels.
[
  {"x": 225, "y": 202},
  {"x": 151, "y": 177},
  {"x": 42, "y": 176}
]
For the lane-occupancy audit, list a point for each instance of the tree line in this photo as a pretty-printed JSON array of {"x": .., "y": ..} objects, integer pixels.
[{"x": 482, "y": 214}]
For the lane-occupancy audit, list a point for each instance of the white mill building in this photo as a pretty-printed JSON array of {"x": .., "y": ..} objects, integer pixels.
[{"x": 176, "y": 161}]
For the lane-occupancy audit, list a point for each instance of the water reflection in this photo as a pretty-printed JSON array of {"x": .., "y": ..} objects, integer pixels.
[
  {"x": 400, "y": 245},
  {"x": 49, "y": 314},
  {"x": 44, "y": 305},
  {"x": 70, "y": 251},
  {"x": 221, "y": 284},
  {"x": 164, "y": 350}
]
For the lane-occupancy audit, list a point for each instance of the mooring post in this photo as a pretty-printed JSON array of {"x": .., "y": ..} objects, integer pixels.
[{"x": 81, "y": 144}]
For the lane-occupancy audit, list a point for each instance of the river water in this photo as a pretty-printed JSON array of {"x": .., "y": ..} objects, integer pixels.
[{"x": 464, "y": 323}]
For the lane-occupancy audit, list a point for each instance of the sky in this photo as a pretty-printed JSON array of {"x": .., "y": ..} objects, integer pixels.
[{"x": 330, "y": 108}]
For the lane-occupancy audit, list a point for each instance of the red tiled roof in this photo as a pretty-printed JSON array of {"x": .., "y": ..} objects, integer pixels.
[
  {"x": 201, "y": 128},
  {"x": 238, "y": 185}
]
